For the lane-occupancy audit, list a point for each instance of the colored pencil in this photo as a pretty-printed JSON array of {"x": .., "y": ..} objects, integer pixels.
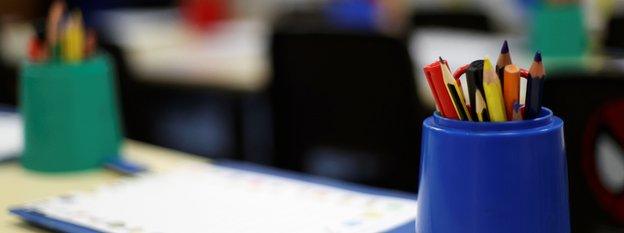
[
  {"x": 37, "y": 48},
  {"x": 535, "y": 84},
  {"x": 474, "y": 80},
  {"x": 481, "y": 107},
  {"x": 55, "y": 15},
  {"x": 493, "y": 92},
  {"x": 433, "y": 73},
  {"x": 511, "y": 91},
  {"x": 61, "y": 37},
  {"x": 74, "y": 39},
  {"x": 517, "y": 111},
  {"x": 504, "y": 59},
  {"x": 455, "y": 92}
]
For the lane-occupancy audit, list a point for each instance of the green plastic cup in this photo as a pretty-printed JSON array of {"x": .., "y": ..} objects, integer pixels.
[{"x": 71, "y": 121}]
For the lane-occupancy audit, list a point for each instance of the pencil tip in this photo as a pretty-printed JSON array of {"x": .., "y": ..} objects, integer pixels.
[
  {"x": 538, "y": 56},
  {"x": 505, "y": 48},
  {"x": 441, "y": 60}
]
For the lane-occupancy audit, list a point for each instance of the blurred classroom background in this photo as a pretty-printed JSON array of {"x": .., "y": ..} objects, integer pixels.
[{"x": 335, "y": 87}]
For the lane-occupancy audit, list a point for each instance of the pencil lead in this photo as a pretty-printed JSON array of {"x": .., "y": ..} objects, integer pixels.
[
  {"x": 505, "y": 48},
  {"x": 441, "y": 60},
  {"x": 538, "y": 56}
]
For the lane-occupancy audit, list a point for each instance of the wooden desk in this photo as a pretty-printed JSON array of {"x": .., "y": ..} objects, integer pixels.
[{"x": 19, "y": 186}]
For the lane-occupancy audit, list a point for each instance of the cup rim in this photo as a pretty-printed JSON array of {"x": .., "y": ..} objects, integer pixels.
[{"x": 545, "y": 117}]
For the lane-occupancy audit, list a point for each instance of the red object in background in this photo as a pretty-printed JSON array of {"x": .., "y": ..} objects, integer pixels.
[
  {"x": 433, "y": 73},
  {"x": 607, "y": 119},
  {"x": 203, "y": 13}
]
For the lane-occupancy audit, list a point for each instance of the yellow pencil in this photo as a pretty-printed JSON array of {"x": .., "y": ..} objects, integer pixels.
[
  {"x": 455, "y": 92},
  {"x": 493, "y": 92},
  {"x": 74, "y": 39},
  {"x": 481, "y": 107}
]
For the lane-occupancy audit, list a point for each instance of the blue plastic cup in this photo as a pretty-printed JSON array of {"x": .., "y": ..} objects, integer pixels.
[{"x": 479, "y": 177}]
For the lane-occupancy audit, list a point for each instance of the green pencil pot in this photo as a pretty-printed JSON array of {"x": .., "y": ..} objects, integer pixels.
[{"x": 71, "y": 121}]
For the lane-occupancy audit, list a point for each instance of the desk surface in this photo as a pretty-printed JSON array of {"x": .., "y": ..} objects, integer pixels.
[{"x": 20, "y": 186}]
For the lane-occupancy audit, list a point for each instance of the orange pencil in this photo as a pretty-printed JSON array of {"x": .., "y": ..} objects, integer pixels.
[
  {"x": 55, "y": 15},
  {"x": 511, "y": 91}
]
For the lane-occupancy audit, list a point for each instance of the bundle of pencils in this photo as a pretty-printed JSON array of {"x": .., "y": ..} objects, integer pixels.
[
  {"x": 61, "y": 37},
  {"x": 493, "y": 91}
]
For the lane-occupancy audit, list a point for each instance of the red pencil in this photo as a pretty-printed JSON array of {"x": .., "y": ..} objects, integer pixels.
[{"x": 433, "y": 73}]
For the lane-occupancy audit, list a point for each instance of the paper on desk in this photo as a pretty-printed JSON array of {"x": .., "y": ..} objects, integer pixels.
[
  {"x": 10, "y": 135},
  {"x": 208, "y": 198}
]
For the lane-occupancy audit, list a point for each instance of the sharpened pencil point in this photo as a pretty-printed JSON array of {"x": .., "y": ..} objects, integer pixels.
[
  {"x": 505, "y": 48},
  {"x": 538, "y": 56},
  {"x": 441, "y": 60}
]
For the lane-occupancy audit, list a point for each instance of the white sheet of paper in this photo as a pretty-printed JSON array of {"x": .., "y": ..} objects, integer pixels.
[
  {"x": 208, "y": 198},
  {"x": 11, "y": 141}
]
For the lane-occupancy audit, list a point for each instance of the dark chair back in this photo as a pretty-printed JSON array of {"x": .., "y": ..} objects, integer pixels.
[
  {"x": 456, "y": 20},
  {"x": 345, "y": 106}
]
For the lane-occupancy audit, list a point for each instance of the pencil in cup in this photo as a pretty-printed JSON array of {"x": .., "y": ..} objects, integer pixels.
[
  {"x": 511, "y": 91},
  {"x": 504, "y": 59},
  {"x": 535, "y": 86},
  {"x": 493, "y": 92},
  {"x": 455, "y": 91},
  {"x": 444, "y": 104},
  {"x": 474, "y": 82},
  {"x": 481, "y": 107}
]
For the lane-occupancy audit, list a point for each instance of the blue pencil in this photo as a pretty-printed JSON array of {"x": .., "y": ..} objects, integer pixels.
[{"x": 534, "y": 89}]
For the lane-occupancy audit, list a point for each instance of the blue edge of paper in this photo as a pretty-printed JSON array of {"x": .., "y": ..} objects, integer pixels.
[
  {"x": 7, "y": 108},
  {"x": 120, "y": 165}
]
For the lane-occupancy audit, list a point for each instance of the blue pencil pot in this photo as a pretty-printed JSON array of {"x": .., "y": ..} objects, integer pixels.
[{"x": 504, "y": 177}]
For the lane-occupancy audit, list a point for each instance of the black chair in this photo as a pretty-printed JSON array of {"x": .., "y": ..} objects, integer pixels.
[
  {"x": 614, "y": 38},
  {"x": 454, "y": 20},
  {"x": 345, "y": 106},
  {"x": 8, "y": 85},
  {"x": 197, "y": 120}
]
